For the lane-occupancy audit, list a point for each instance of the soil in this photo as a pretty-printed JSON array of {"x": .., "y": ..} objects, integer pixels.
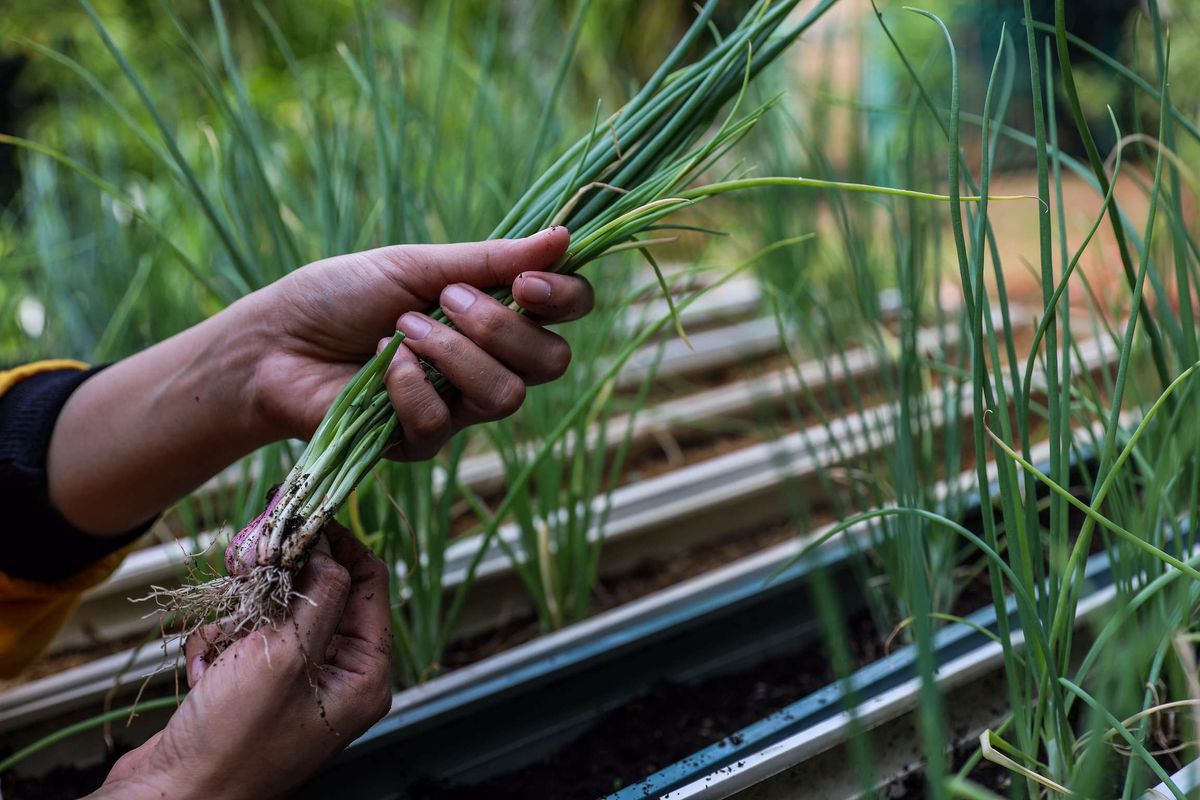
[
  {"x": 988, "y": 775},
  {"x": 60, "y": 783}
]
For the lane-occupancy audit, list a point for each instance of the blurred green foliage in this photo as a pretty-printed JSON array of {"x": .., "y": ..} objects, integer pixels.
[{"x": 464, "y": 82}]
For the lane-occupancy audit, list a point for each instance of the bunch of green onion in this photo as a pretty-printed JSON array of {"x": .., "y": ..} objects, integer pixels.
[{"x": 611, "y": 186}]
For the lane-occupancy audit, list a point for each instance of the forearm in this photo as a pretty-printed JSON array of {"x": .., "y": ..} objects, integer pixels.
[{"x": 151, "y": 428}]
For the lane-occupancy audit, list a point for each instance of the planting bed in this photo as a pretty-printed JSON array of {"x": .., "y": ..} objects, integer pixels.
[
  {"x": 662, "y": 530},
  {"x": 675, "y": 718},
  {"x": 670, "y": 722},
  {"x": 48, "y": 707},
  {"x": 794, "y": 751},
  {"x": 649, "y": 531}
]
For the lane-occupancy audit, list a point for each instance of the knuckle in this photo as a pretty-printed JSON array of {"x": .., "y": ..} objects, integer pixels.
[
  {"x": 382, "y": 692},
  {"x": 556, "y": 358},
  {"x": 398, "y": 260},
  {"x": 487, "y": 257},
  {"x": 373, "y": 687},
  {"x": 489, "y": 319},
  {"x": 332, "y": 577},
  {"x": 400, "y": 379},
  {"x": 441, "y": 342},
  {"x": 404, "y": 367},
  {"x": 431, "y": 422},
  {"x": 398, "y": 263},
  {"x": 370, "y": 577},
  {"x": 508, "y": 395}
]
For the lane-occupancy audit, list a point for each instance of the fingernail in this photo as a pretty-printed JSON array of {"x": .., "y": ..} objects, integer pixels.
[
  {"x": 196, "y": 669},
  {"x": 457, "y": 298},
  {"x": 414, "y": 326},
  {"x": 536, "y": 289}
]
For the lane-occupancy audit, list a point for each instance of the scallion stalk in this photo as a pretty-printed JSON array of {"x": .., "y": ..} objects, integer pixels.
[{"x": 626, "y": 174}]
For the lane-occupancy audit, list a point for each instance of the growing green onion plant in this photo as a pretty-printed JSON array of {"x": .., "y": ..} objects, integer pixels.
[
  {"x": 615, "y": 184},
  {"x": 1099, "y": 704},
  {"x": 561, "y": 515}
]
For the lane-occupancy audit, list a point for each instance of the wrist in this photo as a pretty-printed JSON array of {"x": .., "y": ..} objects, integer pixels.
[
  {"x": 154, "y": 426},
  {"x": 145, "y": 787},
  {"x": 257, "y": 341},
  {"x": 218, "y": 382}
]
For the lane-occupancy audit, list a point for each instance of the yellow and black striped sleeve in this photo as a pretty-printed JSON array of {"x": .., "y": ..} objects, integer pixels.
[{"x": 45, "y": 562}]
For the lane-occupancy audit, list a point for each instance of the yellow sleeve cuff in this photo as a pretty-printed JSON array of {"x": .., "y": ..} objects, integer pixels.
[{"x": 11, "y": 377}]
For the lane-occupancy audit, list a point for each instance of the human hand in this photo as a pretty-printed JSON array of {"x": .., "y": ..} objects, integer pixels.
[
  {"x": 149, "y": 429},
  {"x": 273, "y": 707},
  {"x": 325, "y": 320}
]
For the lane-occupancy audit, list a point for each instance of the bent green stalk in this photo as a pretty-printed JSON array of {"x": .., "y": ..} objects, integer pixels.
[
  {"x": 86, "y": 725},
  {"x": 622, "y": 178}
]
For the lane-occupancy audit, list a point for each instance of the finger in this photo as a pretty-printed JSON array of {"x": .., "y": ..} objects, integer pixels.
[
  {"x": 535, "y": 354},
  {"x": 489, "y": 390},
  {"x": 195, "y": 658},
  {"x": 201, "y": 649},
  {"x": 367, "y": 615},
  {"x": 550, "y": 297},
  {"x": 425, "y": 422},
  {"x": 359, "y": 656},
  {"x": 425, "y": 269},
  {"x": 324, "y": 586}
]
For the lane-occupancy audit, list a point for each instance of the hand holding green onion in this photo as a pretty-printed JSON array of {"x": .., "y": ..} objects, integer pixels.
[
  {"x": 267, "y": 712},
  {"x": 325, "y": 321},
  {"x": 481, "y": 352},
  {"x": 147, "y": 430},
  {"x": 613, "y": 188}
]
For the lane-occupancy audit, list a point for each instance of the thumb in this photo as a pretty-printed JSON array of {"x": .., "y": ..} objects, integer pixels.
[{"x": 426, "y": 269}]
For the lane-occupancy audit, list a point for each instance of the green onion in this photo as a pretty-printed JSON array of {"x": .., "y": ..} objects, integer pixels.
[{"x": 628, "y": 173}]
